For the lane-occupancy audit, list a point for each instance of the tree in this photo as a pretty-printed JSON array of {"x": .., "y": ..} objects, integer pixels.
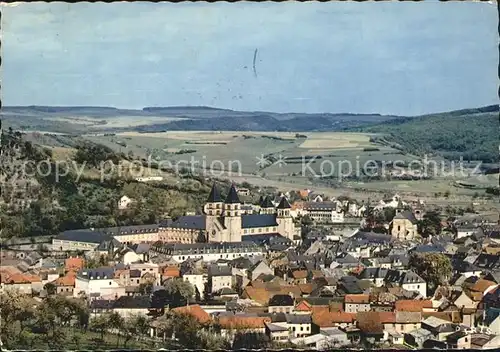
[
  {"x": 50, "y": 288},
  {"x": 116, "y": 322},
  {"x": 178, "y": 292},
  {"x": 434, "y": 268}
]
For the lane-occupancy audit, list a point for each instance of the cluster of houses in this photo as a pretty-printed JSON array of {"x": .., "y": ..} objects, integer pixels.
[{"x": 318, "y": 290}]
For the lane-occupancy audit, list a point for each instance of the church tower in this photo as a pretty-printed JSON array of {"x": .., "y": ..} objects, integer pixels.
[
  {"x": 232, "y": 216},
  {"x": 286, "y": 227},
  {"x": 267, "y": 206},
  {"x": 213, "y": 211}
]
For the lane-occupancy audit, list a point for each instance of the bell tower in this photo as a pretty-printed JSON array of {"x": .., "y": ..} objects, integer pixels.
[
  {"x": 232, "y": 216},
  {"x": 286, "y": 226},
  {"x": 213, "y": 211}
]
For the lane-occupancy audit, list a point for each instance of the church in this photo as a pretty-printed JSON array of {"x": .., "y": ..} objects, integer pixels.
[{"x": 224, "y": 221}]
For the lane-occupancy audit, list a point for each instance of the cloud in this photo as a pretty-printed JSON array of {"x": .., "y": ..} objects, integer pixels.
[{"x": 359, "y": 57}]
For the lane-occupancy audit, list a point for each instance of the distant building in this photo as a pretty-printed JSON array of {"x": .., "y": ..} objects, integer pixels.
[
  {"x": 324, "y": 212},
  {"x": 124, "y": 202}
]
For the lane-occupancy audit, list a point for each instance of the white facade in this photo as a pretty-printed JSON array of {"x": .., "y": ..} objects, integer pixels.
[
  {"x": 93, "y": 286},
  {"x": 124, "y": 202},
  {"x": 212, "y": 257},
  {"x": 220, "y": 282},
  {"x": 420, "y": 287}
]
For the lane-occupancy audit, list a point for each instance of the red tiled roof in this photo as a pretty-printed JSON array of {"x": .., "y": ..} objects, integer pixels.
[
  {"x": 408, "y": 305},
  {"x": 243, "y": 322},
  {"x": 357, "y": 298},
  {"x": 195, "y": 311},
  {"x": 481, "y": 285},
  {"x": 75, "y": 264},
  {"x": 325, "y": 318},
  {"x": 299, "y": 274},
  {"x": 68, "y": 280}
]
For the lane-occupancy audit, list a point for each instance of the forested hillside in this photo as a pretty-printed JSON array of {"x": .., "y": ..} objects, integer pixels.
[
  {"x": 472, "y": 134},
  {"x": 36, "y": 203}
]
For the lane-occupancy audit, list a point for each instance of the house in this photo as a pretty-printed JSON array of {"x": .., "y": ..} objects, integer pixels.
[
  {"x": 230, "y": 323},
  {"x": 207, "y": 252},
  {"x": 483, "y": 286},
  {"x": 258, "y": 269},
  {"x": 324, "y": 212},
  {"x": 408, "y": 280},
  {"x": 65, "y": 285},
  {"x": 195, "y": 311},
  {"x": 459, "y": 340},
  {"x": 281, "y": 304},
  {"x": 324, "y": 318},
  {"x": 417, "y": 338},
  {"x": 404, "y": 226},
  {"x": 219, "y": 276},
  {"x": 371, "y": 325},
  {"x": 124, "y": 202},
  {"x": 24, "y": 283},
  {"x": 438, "y": 327},
  {"x": 129, "y": 257},
  {"x": 125, "y": 306},
  {"x": 276, "y": 332},
  {"x": 322, "y": 341},
  {"x": 74, "y": 264},
  {"x": 355, "y": 303},
  {"x": 94, "y": 282},
  {"x": 410, "y": 305},
  {"x": 299, "y": 325}
]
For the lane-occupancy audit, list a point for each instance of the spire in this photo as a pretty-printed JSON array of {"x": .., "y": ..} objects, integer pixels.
[
  {"x": 284, "y": 204},
  {"x": 266, "y": 203},
  {"x": 232, "y": 197},
  {"x": 214, "y": 196}
]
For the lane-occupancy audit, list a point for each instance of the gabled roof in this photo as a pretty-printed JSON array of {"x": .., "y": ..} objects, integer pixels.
[
  {"x": 195, "y": 311},
  {"x": 406, "y": 215},
  {"x": 258, "y": 220},
  {"x": 214, "y": 196},
  {"x": 232, "y": 197}
]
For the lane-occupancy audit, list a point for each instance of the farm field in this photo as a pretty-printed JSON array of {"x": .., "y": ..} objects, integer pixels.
[{"x": 287, "y": 153}]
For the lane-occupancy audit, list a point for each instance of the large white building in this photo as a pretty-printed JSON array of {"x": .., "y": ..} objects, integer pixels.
[
  {"x": 225, "y": 221},
  {"x": 324, "y": 212}
]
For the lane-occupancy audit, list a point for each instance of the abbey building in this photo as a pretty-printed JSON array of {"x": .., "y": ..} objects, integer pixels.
[{"x": 224, "y": 221}]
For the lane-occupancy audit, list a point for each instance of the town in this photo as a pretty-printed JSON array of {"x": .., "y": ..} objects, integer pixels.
[{"x": 292, "y": 271}]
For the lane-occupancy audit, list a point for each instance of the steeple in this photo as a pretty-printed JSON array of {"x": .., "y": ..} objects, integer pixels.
[
  {"x": 214, "y": 196},
  {"x": 266, "y": 203},
  {"x": 284, "y": 204},
  {"x": 232, "y": 197}
]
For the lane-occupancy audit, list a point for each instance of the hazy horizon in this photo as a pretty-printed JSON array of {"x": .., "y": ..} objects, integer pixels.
[{"x": 388, "y": 58}]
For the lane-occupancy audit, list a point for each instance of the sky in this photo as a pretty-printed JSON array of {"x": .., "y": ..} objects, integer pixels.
[{"x": 402, "y": 58}]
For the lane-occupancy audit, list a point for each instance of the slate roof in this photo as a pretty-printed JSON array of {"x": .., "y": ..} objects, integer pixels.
[
  {"x": 214, "y": 196},
  {"x": 99, "y": 273},
  {"x": 232, "y": 197},
  {"x": 193, "y": 222},
  {"x": 488, "y": 261},
  {"x": 258, "y": 220},
  {"x": 281, "y": 300},
  {"x": 298, "y": 319},
  {"x": 219, "y": 270},
  {"x": 86, "y": 235},
  {"x": 284, "y": 204},
  {"x": 407, "y": 215}
]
